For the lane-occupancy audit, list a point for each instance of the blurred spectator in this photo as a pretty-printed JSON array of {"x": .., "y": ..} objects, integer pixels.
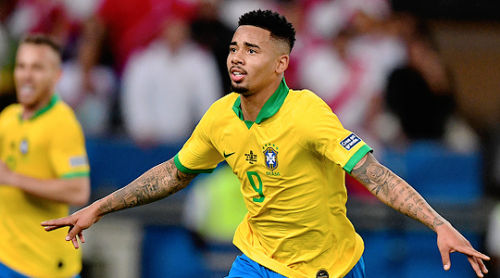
[
  {"x": 421, "y": 94},
  {"x": 298, "y": 13},
  {"x": 40, "y": 16},
  {"x": 350, "y": 69},
  {"x": 211, "y": 32},
  {"x": 7, "y": 50},
  {"x": 422, "y": 84},
  {"x": 19, "y": 17},
  {"x": 124, "y": 26},
  {"x": 230, "y": 10},
  {"x": 168, "y": 86},
  {"x": 91, "y": 99}
]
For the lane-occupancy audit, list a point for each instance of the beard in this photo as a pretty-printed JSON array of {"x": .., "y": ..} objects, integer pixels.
[{"x": 239, "y": 89}]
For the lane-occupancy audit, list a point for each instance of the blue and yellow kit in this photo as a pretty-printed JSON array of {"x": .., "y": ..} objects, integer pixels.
[
  {"x": 50, "y": 145},
  {"x": 291, "y": 163}
]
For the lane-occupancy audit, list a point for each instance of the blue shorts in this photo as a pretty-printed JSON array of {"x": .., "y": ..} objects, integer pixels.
[
  {"x": 244, "y": 267},
  {"x": 6, "y": 272}
]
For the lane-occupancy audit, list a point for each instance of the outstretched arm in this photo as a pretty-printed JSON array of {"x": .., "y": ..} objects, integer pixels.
[
  {"x": 398, "y": 194},
  {"x": 157, "y": 183}
]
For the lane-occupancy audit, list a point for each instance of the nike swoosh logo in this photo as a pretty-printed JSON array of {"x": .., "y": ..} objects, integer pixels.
[{"x": 228, "y": 155}]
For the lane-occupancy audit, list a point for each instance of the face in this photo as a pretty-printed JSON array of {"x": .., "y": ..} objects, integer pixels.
[
  {"x": 36, "y": 73},
  {"x": 255, "y": 60}
]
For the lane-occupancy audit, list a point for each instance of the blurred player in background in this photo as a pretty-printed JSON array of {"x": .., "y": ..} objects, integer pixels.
[
  {"x": 43, "y": 167},
  {"x": 290, "y": 153}
]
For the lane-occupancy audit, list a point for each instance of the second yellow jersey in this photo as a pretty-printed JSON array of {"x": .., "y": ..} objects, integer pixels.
[
  {"x": 291, "y": 163},
  {"x": 50, "y": 145}
]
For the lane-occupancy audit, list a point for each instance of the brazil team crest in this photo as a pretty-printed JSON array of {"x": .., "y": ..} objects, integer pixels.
[{"x": 271, "y": 156}]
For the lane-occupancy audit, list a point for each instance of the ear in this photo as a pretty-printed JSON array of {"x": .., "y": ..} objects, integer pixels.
[{"x": 282, "y": 63}]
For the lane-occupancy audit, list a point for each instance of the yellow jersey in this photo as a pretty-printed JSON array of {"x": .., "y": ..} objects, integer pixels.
[
  {"x": 50, "y": 145},
  {"x": 291, "y": 164}
]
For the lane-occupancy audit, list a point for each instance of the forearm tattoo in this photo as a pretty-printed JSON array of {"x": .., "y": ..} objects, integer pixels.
[
  {"x": 157, "y": 183},
  {"x": 395, "y": 192}
]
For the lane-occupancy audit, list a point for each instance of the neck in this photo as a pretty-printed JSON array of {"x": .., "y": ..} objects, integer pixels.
[
  {"x": 251, "y": 104},
  {"x": 29, "y": 111}
]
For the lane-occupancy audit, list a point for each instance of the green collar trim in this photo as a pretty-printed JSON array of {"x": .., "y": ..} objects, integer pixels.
[
  {"x": 44, "y": 109},
  {"x": 272, "y": 105}
]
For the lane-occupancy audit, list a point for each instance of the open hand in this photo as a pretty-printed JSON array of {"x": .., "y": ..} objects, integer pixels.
[
  {"x": 450, "y": 240},
  {"x": 77, "y": 222}
]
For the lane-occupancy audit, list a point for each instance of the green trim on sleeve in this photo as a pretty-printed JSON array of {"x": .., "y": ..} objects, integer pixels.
[
  {"x": 183, "y": 169},
  {"x": 72, "y": 175},
  {"x": 356, "y": 158}
]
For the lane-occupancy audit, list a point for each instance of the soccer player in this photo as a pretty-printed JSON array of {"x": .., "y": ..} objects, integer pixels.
[
  {"x": 43, "y": 168},
  {"x": 290, "y": 153}
]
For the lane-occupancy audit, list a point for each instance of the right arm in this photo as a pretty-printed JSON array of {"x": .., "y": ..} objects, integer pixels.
[{"x": 157, "y": 183}]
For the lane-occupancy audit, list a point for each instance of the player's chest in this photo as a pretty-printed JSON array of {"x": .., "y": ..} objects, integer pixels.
[
  {"x": 269, "y": 150},
  {"x": 24, "y": 142}
]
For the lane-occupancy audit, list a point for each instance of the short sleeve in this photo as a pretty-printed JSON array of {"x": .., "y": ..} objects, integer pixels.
[
  {"x": 67, "y": 151},
  {"x": 199, "y": 155},
  {"x": 325, "y": 135}
]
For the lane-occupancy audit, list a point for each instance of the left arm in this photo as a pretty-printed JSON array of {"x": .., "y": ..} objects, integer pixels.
[
  {"x": 398, "y": 194},
  {"x": 70, "y": 191}
]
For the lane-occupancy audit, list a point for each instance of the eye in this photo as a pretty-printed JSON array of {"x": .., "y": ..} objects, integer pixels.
[
  {"x": 232, "y": 49},
  {"x": 252, "y": 51}
]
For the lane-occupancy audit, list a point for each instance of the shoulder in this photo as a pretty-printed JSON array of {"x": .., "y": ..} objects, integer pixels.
[
  {"x": 309, "y": 114},
  {"x": 63, "y": 114},
  {"x": 10, "y": 113},
  {"x": 223, "y": 105},
  {"x": 10, "y": 110},
  {"x": 305, "y": 104}
]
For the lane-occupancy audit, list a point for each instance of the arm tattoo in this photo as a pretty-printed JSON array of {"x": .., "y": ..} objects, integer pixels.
[
  {"x": 157, "y": 183},
  {"x": 395, "y": 192}
]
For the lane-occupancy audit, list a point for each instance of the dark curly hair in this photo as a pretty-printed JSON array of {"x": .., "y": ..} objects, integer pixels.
[{"x": 273, "y": 22}]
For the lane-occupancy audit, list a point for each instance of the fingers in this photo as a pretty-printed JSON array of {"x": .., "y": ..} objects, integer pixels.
[
  {"x": 51, "y": 228},
  {"x": 74, "y": 239},
  {"x": 483, "y": 266},
  {"x": 445, "y": 257},
  {"x": 73, "y": 232},
  {"x": 478, "y": 266},
  {"x": 474, "y": 253},
  {"x": 82, "y": 238},
  {"x": 75, "y": 242},
  {"x": 56, "y": 223},
  {"x": 474, "y": 257}
]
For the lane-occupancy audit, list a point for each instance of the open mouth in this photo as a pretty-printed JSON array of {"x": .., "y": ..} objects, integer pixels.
[{"x": 237, "y": 74}]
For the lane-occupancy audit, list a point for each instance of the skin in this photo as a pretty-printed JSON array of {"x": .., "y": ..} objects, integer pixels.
[
  {"x": 261, "y": 61},
  {"x": 37, "y": 70},
  {"x": 256, "y": 65},
  {"x": 157, "y": 183},
  {"x": 398, "y": 194}
]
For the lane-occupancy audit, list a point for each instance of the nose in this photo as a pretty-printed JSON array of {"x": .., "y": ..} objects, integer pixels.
[
  {"x": 26, "y": 74},
  {"x": 235, "y": 58}
]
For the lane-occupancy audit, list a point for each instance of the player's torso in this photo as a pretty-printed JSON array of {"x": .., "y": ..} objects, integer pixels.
[
  {"x": 25, "y": 145},
  {"x": 277, "y": 171}
]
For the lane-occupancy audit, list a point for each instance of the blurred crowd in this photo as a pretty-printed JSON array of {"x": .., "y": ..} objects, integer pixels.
[{"x": 149, "y": 69}]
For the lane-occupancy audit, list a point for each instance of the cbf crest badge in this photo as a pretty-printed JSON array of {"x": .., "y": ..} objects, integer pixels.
[
  {"x": 271, "y": 156},
  {"x": 23, "y": 146}
]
